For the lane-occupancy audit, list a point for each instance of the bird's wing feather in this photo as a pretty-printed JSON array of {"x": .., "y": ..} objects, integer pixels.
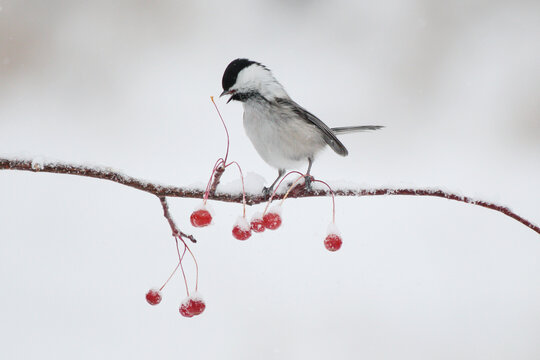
[
  {"x": 328, "y": 135},
  {"x": 352, "y": 129}
]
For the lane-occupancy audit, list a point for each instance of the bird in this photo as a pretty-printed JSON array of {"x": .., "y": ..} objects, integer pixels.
[{"x": 283, "y": 133}]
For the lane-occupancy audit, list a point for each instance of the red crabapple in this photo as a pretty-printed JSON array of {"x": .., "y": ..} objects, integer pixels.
[
  {"x": 184, "y": 311},
  {"x": 196, "y": 306},
  {"x": 242, "y": 229},
  {"x": 201, "y": 217},
  {"x": 257, "y": 223},
  {"x": 192, "y": 305},
  {"x": 333, "y": 242},
  {"x": 272, "y": 220},
  {"x": 153, "y": 297},
  {"x": 240, "y": 234}
]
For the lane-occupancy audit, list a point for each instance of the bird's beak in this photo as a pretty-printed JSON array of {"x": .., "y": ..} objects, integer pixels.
[{"x": 228, "y": 92}]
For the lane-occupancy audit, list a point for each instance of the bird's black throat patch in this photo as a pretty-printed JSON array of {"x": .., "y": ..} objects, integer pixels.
[{"x": 245, "y": 96}]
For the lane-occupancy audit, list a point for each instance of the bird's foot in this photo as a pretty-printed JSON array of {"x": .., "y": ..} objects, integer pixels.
[
  {"x": 267, "y": 191},
  {"x": 308, "y": 180}
]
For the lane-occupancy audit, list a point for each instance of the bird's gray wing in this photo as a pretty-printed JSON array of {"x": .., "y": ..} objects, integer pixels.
[{"x": 328, "y": 135}]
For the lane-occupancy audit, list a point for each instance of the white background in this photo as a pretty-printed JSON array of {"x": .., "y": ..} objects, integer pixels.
[{"x": 126, "y": 84}]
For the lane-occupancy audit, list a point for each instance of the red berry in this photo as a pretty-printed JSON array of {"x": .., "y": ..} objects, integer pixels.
[
  {"x": 241, "y": 234},
  {"x": 200, "y": 218},
  {"x": 184, "y": 311},
  {"x": 196, "y": 306},
  {"x": 333, "y": 242},
  {"x": 153, "y": 297},
  {"x": 272, "y": 221},
  {"x": 191, "y": 306},
  {"x": 257, "y": 225}
]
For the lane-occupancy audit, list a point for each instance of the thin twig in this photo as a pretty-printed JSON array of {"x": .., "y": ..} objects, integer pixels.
[
  {"x": 217, "y": 177},
  {"x": 162, "y": 191},
  {"x": 176, "y": 232}
]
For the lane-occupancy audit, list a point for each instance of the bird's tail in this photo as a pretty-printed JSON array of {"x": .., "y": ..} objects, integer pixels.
[{"x": 352, "y": 129}]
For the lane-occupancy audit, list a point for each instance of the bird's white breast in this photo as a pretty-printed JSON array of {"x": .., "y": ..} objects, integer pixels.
[{"x": 281, "y": 138}]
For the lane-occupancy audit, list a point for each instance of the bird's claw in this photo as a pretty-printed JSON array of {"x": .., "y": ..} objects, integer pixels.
[
  {"x": 267, "y": 191},
  {"x": 308, "y": 180}
]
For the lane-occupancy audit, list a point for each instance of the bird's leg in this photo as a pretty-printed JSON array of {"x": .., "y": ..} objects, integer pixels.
[
  {"x": 267, "y": 191},
  {"x": 308, "y": 178}
]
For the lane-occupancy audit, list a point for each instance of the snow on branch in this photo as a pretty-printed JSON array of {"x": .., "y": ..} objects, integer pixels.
[{"x": 162, "y": 191}]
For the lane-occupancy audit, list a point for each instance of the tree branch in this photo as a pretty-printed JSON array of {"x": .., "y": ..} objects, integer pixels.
[
  {"x": 162, "y": 191},
  {"x": 217, "y": 177},
  {"x": 175, "y": 231}
]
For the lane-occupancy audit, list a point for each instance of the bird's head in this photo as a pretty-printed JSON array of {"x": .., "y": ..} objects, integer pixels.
[{"x": 244, "y": 79}]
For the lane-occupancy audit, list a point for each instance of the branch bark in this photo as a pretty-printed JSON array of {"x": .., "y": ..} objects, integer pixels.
[
  {"x": 176, "y": 232},
  {"x": 162, "y": 191}
]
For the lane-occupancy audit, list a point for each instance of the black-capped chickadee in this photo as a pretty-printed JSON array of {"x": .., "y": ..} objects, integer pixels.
[{"x": 283, "y": 132}]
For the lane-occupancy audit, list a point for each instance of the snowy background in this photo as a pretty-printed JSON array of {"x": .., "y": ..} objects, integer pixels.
[{"x": 127, "y": 84}]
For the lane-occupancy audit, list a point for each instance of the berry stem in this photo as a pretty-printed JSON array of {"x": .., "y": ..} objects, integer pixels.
[
  {"x": 277, "y": 187},
  {"x": 196, "y": 268},
  {"x": 219, "y": 162},
  {"x": 290, "y": 188},
  {"x": 174, "y": 271},
  {"x": 333, "y": 200},
  {"x": 225, "y": 126},
  {"x": 180, "y": 262},
  {"x": 243, "y": 186}
]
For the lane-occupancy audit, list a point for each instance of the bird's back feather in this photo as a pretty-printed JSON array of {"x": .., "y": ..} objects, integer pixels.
[{"x": 327, "y": 133}]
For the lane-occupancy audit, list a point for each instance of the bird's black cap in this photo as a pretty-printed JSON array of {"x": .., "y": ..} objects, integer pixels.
[{"x": 232, "y": 70}]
